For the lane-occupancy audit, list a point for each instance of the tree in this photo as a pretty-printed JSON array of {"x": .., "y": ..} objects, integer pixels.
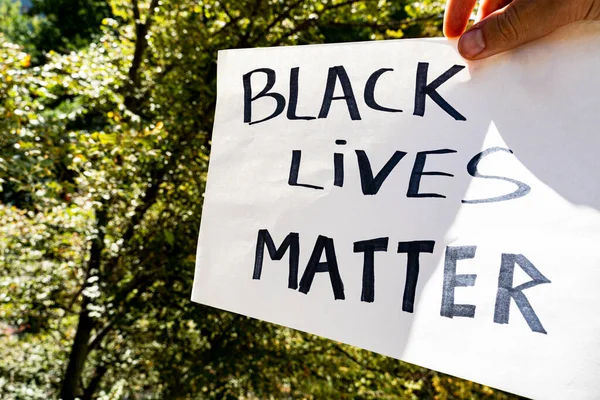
[
  {"x": 72, "y": 23},
  {"x": 103, "y": 166},
  {"x": 18, "y": 27}
]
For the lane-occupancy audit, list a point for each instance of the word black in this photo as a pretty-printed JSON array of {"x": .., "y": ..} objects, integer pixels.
[
  {"x": 339, "y": 74},
  {"x": 325, "y": 246}
]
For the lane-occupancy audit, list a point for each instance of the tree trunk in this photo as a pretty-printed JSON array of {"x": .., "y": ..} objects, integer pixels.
[
  {"x": 79, "y": 352},
  {"x": 81, "y": 343}
]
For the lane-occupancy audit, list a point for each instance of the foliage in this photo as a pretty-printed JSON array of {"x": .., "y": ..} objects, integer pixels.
[
  {"x": 72, "y": 22},
  {"x": 18, "y": 27},
  {"x": 102, "y": 170}
]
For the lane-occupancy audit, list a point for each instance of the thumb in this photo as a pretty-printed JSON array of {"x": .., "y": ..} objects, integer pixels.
[{"x": 519, "y": 22}]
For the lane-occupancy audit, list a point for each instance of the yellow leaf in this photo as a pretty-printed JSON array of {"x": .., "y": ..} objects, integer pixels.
[
  {"x": 107, "y": 138},
  {"x": 26, "y": 62}
]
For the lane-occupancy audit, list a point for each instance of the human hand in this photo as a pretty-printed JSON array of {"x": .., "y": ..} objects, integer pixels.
[{"x": 506, "y": 24}]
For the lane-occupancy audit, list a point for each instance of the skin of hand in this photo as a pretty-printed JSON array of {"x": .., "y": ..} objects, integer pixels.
[{"x": 505, "y": 24}]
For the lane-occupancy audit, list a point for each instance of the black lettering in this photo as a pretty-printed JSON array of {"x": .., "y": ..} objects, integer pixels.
[
  {"x": 506, "y": 291},
  {"x": 248, "y": 99},
  {"x": 423, "y": 89},
  {"x": 370, "y": 92},
  {"x": 452, "y": 281},
  {"x": 338, "y": 169},
  {"x": 522, "y": 189},
  {"x": 417, "y": 173},
  {"x": 413, "y": 249},
  {"x": 338, "y": 165},
  {"x": 295, "y": 169},
  {"x": 293, "y": 103},
  {"x": 369, "y": 247},
  {"x": 336, "y": 73},
  {"x": 370, "y": 185},
  {"x": 314, "y": 265},
  {"x": 291, "y": 241}
]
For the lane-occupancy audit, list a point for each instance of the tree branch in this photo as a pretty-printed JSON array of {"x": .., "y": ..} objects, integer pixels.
[
  {"x": 244, "y": 40},
  {"x": 287, "y": 13},
  {"x": 139, "y": 282},
  {"x": 150, "y": 197},
  {"x": 354, "y": 359},
  {"x": 389, "y": 25},
  {"x": 99, "y": 373},
  {"x": 226, "y": 10},
  {"x": 136, "y": 11},
  {"x": 99, "y": 336},
  {"x": 141, "y": 43}
]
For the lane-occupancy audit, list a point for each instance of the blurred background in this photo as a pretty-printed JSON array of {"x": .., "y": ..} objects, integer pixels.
[{"x": 106, "y": 110}]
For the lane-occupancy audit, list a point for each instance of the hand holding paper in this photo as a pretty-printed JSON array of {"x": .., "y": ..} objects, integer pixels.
[{"x": 506, "y": 24}]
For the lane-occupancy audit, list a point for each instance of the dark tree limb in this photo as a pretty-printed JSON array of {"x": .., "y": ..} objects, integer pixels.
[
  {"x": 389, "y": 25},
  {"x": 141, "y": 43},
  {"x": 244, "y": 40},
  {"x": 92, "y": 387},
  {"x": 341, "y": 350},
  {"x": 85, "y": 325}
]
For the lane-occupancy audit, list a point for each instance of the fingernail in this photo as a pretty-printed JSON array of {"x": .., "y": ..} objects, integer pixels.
[{"x": 471, "y": 43}]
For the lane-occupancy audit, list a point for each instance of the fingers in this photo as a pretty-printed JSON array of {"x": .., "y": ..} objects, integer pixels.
[
  {"x": 487, "y": 7},
  {"x": 519, "y": 22},
  {"x": 457, "y": 16}
]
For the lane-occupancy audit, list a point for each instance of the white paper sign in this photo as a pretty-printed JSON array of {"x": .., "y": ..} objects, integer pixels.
[{"x": 392, "y": 196}]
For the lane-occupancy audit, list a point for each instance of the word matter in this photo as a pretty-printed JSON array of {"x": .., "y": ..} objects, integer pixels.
[{"x": 324, "y": 246}]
